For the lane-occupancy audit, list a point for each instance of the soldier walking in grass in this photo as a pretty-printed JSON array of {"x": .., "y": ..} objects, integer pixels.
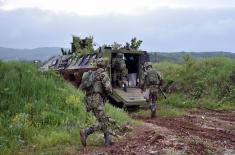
[
  {"x": 97, "y": 86},
  {"x": 152, "y": 82}
]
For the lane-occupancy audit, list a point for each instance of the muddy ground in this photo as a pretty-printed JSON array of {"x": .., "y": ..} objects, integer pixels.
[{"x": 199, "y": 132}]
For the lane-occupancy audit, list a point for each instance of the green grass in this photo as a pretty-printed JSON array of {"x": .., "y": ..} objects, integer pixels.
[
  {"x": 163, "y": 110},
  {"x": 40, "y": 112},
  {"x": 52, "y": 138},
  {"x": 168, "y": 110},
  {"x": 179, "y": 100},
  {"x": 204, "y": 83},
  {"x": 117, "y": 114}
]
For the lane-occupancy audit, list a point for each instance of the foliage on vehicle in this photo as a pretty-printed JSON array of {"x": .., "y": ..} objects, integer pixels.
[
  {"x": 81, "y": 47},
  {"x": 135, "y": 44}
]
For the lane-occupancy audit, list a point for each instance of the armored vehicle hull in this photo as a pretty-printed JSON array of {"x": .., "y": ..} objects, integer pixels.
[{"x": 72, "y": 67}]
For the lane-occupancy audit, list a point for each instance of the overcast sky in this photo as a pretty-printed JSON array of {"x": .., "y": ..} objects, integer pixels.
[{"x": 163, "y": 25}]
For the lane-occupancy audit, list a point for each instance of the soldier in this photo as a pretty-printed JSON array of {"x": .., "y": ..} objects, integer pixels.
[
  {"x": 152, "y": 82},
  {"x": 120, "y": 71},
  {"x": 97, "y": 86}
]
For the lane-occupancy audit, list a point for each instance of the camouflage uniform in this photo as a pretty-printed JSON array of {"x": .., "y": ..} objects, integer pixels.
[
  {"x": 95, "y": 101},
  {"x": 120, "y": 71},
  {"x": 151, "y": 89}
]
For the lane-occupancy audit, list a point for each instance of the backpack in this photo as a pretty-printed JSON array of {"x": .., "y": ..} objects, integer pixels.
[
  {"x": 153, "y": 77},
  {"x": 87, "y": 81},
  {"x": 102, "y": 83},
  {"x": 119, "y": 64}
]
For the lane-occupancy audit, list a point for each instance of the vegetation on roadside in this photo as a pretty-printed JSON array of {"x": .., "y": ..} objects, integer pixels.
[
  {"x": 196, "y": 83},
  {"x": 201, "y": 83},
  {"x": 162, "y": 110},
  {"x": 40, "y": 112}
]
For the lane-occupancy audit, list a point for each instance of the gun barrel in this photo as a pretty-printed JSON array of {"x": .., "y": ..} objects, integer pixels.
[{"x": 162, "y": 92}]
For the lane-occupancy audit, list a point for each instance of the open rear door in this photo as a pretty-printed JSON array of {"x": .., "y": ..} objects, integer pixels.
[{"x": 133, "y": 97}]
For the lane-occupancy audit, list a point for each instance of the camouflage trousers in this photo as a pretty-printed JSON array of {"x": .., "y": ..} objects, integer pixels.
[
  {"x": 152, "y": 99},
  {"x": 120, "y": 77},
  {"x": 95, "y": 103}
]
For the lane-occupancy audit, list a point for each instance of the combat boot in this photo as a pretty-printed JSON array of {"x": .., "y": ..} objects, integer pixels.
[
  {"x": 153, "y": 109},
  {"x": 84, "y": 134},
  {"x": 107, "y": 139}
]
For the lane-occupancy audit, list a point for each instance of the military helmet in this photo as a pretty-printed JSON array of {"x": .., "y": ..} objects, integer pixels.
[
  {"x": 100, "y": 62},
  {"x": 148, "y": 64},
  {"x": 120, "y": 55}
]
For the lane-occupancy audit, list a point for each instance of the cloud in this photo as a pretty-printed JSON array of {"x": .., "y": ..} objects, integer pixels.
[
  {"x": 123, "y": 7},
  {"x": 1, "y": 2},
  {"x": 163, "y": 29}
]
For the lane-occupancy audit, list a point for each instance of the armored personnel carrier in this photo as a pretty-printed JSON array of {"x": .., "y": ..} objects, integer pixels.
[{"x": 72, "y": 66}]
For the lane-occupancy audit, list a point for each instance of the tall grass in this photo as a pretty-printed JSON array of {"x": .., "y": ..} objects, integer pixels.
[
  {"x": 201, "y": 83},
  {"x": 40, "y": 110}
]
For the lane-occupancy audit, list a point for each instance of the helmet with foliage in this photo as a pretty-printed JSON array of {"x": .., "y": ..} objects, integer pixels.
[
  {"x": 100, "y": 62},
  {"x": 148, "y": 64},
  {"x": 120, "y": 55}
]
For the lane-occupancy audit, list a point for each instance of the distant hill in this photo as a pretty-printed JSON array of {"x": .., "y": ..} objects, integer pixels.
[
  {"x": 28, "y": 54},
  {"x": 44, "y": 53},
  {"x": 177, "y": 57}
]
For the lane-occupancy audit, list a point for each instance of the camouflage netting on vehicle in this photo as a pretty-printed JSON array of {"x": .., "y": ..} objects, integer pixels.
[{"x": 82, "y": 47}]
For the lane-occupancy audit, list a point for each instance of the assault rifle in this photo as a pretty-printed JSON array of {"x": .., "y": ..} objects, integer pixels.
[{"x": 162, "y": 92}]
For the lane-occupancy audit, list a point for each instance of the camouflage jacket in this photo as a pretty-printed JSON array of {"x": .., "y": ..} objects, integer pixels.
[
  {"x": 146, "y": 84},
  {"x": 96, "y": 82},
  {"x": 119, "y": 64}
]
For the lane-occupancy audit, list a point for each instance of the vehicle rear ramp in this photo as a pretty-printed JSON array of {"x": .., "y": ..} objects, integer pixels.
[{"x": 133, "y": 97}]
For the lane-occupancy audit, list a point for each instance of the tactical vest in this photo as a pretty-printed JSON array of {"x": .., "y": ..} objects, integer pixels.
[
  {"x": 122, "y": 65},
  {"x": 119, "y": 64},
  {"x": 97, "y": 87},
  {"x": 152, "y": 77},
  {"x": 94, "y": 82}
]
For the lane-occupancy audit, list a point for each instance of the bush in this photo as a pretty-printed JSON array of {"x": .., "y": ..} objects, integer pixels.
[
  {"x": 210, "y": 79},
  {"x": 41, "y": 109}
]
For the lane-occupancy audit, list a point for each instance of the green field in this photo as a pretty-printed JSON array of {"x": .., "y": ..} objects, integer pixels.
[
  {"x": 196, "y": 83},
  {"x": 203, "y": 83},
  {"x": 41, "y": 113}
]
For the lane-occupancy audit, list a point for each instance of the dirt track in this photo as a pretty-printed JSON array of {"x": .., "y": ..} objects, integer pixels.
[{"x": 201, "y": 132}]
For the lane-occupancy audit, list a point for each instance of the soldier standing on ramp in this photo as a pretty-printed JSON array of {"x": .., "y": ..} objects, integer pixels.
[
  {"x": 97, "y": 86},
  {"x": 120, "y": 71},
  {"x": 151, "y": 86}
]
